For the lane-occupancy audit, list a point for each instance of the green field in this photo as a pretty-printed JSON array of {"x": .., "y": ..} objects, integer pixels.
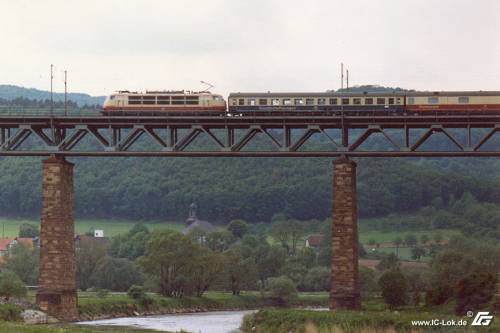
[
  {"x": 10, "y": 227},
  {"x": 384, "y": 237}
]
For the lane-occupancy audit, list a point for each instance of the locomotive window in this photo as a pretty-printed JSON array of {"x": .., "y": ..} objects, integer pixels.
[
  {"x": 163, "y": 100},
  {"x": 433, "y": 100},
  {"x": 463, "y": 100},
  {"x": 321, "y": 101},
  {"x": 298, "y": 101},
  {"x": 356, "y": 101},
  {"x": 241, "y": 101},
  {"x": 178, "y": 100},
  {"x": 287, "y": 101},
  {"x": 411, "y": 100},
  {"x": 262, "y": 101},
  {"x": 275, "y": 101},
  {"x": 309, "y": 101},
  {"x": 333, "y": 101},
  {"x": 134, "y": 100},
  {"x": 368, "y": 101},
  {"x": 148, "y": 99},
  {"x": 380, "y": 101},
  {"x": 192, "y": 100},
  {"x": 251, "y": 101},
  {"x": 391, "y": 100},
  {"x": 345, "y": 100}
]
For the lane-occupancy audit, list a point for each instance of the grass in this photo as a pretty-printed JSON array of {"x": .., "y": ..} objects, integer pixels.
[
  {"x": 9, "y": 327},
  {"x": 10, "y": 227},
  {"x": 384, "y": 237},
  {"x": 119, "y": 304},
  {"x": 274, "y": 321}
]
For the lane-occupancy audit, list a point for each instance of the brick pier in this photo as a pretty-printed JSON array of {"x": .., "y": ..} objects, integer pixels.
[
  {"x": 56, "y": 278},
  {"x": 345, "y": 281}
]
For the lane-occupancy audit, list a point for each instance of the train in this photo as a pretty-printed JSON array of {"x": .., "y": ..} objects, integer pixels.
[{"x": 359, "y": 103}]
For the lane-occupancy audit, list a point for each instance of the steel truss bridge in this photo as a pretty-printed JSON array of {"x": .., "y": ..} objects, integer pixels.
[{"x": 287, "y": 135}]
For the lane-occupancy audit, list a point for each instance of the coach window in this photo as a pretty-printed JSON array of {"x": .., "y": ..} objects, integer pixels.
[
  {"x": 309, "y": 101},
  {"x": 287, "y": 101},
  {"x": 391, "y": 100},
  {"x": 298, "y": 101},
  {"x": 463, "y": 100},
  {"x": 380, "y": 101},
  {"x": 234, "y": 102},
  {"x": 333, "y": 101},
  {"x": 411, "y": 100},
  {"x": 321, "y": 101},
  {"x": 345, "y": 101},
  {"x": 398, "y": 100},
  {"x": 368, "y": 101},
  {"x": 275, "y": 101},
  {"x": 432, "y": 100},
  {"x": 262, "y": 101},
  {"x": 251, "y": 102},
  {"x": 356, "y": 101},
  {"x": 241, "y": 101}
]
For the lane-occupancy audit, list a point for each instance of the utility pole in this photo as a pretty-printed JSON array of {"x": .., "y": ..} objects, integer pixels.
[
  {"x": 341, "y": 75},
  {"x": 347, "y": 78},
  {"x": 65, "y": 92},
  {"x": 51, "y": 94}
]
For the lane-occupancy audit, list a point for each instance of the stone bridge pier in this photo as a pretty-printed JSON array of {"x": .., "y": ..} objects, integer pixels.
[
  {"x": 345, "y": 292},
  {"x": 56, "y": 293}
]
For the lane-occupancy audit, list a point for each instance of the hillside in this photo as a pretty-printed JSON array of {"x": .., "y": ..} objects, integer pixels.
[{"x": 10, "y": 92}]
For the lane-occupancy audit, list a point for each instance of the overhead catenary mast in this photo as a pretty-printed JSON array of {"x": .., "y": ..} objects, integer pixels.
[
  {"x": 51, "y": 86},
  {"x": 65, "y": 92},
  {"x": 341, "y": 75}
]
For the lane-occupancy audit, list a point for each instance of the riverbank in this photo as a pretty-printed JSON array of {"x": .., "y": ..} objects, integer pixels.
[
  {"x": 91, "y": 307},
  {"x": 10, "y": 327},
  {"x": 278, "y": 321}
]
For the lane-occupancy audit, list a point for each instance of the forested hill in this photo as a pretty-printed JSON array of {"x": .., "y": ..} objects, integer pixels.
[
  {"x": 11, "y": 92},
  {"x": 250, "y": 188}
]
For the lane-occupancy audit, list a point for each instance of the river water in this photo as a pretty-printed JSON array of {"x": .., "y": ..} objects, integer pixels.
[{"x": 201, "y": 322}]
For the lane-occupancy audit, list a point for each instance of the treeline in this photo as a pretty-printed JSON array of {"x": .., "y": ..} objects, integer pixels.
[{"x": 249, "y": 188}]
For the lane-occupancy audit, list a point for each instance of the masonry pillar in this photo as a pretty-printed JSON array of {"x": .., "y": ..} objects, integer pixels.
[
  {"x": 345, "y": 281},
  {"x": 56, "y": 276}
]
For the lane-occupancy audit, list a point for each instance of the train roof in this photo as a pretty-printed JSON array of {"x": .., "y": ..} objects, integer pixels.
[
  {"x": 164, "y": 92},
  {"x": 361, "y": 94}
]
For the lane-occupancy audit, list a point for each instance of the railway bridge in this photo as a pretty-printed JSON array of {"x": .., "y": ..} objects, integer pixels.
[{"x": 254, "y": 135}]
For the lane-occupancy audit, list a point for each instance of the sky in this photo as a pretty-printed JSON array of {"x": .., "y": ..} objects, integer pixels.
[{"x": 242, "y": 45}]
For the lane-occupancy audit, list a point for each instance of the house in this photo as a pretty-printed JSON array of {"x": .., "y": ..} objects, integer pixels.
[
  {"x": 313, "y": 241},
  {"x": 91, "y": 241},
  {"x": 4, "y": 246}
]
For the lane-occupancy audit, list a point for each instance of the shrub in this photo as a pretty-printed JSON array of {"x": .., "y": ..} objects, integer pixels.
[
  {"x": 282, "y": 289},
  {"x": 394, "y": 287},
  {"x": 10, "y": 312},
  {"x": 102, "y": 293},
  {"x": 474, "y": 291},
  {"x": 11, "y": 285},
  {"x": 317, "y": 279},
  {"x": 138, "y": 294}
]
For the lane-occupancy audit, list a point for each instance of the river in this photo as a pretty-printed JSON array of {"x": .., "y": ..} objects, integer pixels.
[{"x": 201, "y": 322}]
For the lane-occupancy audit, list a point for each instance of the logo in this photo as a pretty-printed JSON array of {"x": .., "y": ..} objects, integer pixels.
[{"x": 482, "y": 319}]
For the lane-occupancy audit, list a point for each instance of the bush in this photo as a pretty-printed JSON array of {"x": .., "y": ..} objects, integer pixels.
[
  {"x": 28, "y": 230},
  {"x": 318, "y": 279},
  {"x": 394, "y": 287},
  {"x": 10, "y": 312},
  {"x": 282, "y": 289},
  {"x": 138, "y": 294},
  {"x": 11, "y": 285},
  {"x": 102, "y": 293},
  {"x": 474, "y": 291}
]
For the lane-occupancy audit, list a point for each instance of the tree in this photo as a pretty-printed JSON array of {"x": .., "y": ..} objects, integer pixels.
[
  {"x": 116, "y": 274},
  {"x": 23, "y": 261},
  {"x": 317, "y": 279},
  {"x": 287, "y": 233},
  {"x": 394, "y": 286},
  {"x": 131, "y": 245},
  {"x": 367, "y": 280},
  {"x": 219, "y": 241},
  {"x": 424, "y": 239},
  {"x": 167, "y": 258},
  {"x": 204, "y": 270},
  {"x": 87, "y": 255},
  {"x": 11, "y": 285},
  {"x": 282, "y": 289},
  {"x": 397, "y": 242},
  {"x": 372, "y": 242},
  {"x": 418, "y": 252},
  {"x": 474, "y": 291},
  {"x": 410, "y": 240},
  {"x": 388, "y": 262},
  {"x": 238, "y": 228},
  {"x": 438, "y": 238},
  {"x": 28, "y": 230},
  {"x": 238, "y": 272}
]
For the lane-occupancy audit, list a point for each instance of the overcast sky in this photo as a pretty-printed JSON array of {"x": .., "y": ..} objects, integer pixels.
[{"x": 243, "y": 45}]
